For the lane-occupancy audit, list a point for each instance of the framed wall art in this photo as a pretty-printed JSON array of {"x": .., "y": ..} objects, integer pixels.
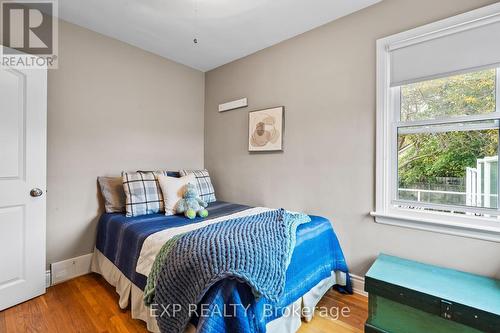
[{"x": 265, "y": 129}]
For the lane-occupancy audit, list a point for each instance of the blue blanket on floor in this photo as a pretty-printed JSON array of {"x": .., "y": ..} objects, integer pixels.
[
  {"x": 316, "y": 255},
  {"x": 254, "y": 249}
]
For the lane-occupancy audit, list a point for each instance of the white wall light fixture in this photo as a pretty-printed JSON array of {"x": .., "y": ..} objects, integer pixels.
[{"x": 240, "y": 103}]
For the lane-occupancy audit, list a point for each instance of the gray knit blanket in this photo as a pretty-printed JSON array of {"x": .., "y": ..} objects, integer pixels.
[{"x": 255, "y": 250}]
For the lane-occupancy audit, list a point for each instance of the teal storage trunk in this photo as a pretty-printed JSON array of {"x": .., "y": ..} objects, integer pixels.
[{"x": 410, "y": 297}]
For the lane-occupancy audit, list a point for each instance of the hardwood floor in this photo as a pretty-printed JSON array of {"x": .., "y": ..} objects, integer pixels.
[
  {"x": 354, "y": 321},
  {"x": 89, "y": 304}
]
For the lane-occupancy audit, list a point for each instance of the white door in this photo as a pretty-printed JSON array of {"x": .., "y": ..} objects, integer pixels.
[{"x": 23, "y": 127}]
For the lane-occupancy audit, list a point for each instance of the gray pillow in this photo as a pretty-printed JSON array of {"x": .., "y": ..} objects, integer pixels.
[{"x": 113, "y": 193}]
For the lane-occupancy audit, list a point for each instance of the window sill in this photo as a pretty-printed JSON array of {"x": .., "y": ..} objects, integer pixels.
[{"x": 445, "y": 224}]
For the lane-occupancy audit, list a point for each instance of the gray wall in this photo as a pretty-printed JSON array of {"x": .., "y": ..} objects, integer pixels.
[
  {"x": 325, "y": 78},
  {"x": 111, "y": 107}
]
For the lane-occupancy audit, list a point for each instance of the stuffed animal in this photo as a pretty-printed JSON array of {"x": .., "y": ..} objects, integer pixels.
[{"x": 191, "y": 204}]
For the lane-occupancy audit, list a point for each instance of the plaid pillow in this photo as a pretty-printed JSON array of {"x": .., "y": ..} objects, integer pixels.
[
  {"x": 205, "y": 187},
  {"x": 142, "y": 192}
]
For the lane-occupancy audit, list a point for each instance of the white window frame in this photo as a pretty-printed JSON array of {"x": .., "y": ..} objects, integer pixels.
[{"x": 388, "y": 210}]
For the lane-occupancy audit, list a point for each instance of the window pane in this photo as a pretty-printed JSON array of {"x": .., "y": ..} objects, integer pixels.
[
  {"x": 453, "y": 167},
  {"x": 460, "y": 95}
]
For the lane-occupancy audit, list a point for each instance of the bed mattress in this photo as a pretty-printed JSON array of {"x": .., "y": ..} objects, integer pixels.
[{"x": 316, "y": 255}]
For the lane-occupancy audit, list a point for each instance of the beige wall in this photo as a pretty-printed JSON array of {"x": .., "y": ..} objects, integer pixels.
[
  {"x": 111, "y": 107},
  {"x": 325, "y": 78}
]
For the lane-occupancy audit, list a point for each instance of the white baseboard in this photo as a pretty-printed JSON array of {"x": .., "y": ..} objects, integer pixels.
[
  {"x": 358, "y": 284},
  {"x": 74, "y": 267},
  {"x": 70, "y": 268}
]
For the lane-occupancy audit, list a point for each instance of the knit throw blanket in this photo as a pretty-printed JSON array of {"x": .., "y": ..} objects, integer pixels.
[{"x": 254, "y": 249}]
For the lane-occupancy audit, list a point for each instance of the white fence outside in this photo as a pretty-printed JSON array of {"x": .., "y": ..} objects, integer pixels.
[
  {"x": 480, "y": 188},
  {"x": 474, "y": 197}
]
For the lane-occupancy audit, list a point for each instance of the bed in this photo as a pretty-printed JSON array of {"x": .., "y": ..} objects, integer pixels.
[{"x": 126, "y": 248}]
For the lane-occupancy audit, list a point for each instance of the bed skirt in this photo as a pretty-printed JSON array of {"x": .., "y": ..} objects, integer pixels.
[{"x": 130, "y": 293}]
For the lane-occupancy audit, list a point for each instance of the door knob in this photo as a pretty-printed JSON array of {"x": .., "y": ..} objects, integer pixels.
[{"x": 36, "y": 192}]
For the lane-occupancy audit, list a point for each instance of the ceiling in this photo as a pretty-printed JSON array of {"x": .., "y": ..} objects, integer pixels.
[{"x": 225, "y": 29}]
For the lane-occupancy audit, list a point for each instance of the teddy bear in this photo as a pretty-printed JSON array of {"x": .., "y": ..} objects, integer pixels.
[{"x": 191, "y": 204}]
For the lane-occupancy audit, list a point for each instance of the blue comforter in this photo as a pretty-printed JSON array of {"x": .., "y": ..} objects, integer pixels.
[{"x": 316, "y": 254}]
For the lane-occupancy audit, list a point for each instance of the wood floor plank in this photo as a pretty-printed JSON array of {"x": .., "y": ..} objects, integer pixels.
[
  {"x": 88, "y": 304},
  {"x": 3, "y": 327}
]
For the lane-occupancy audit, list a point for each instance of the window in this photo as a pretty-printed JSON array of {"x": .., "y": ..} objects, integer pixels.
[
  {"x": 447, "y": 143},
  {"x": 438, "y": 127}
]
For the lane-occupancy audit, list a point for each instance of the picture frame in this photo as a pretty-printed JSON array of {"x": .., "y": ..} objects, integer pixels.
[{"x": 266, "y": 129}]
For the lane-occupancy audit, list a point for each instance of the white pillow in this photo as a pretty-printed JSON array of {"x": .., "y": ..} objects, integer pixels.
[{"x": 173, "y": 189}]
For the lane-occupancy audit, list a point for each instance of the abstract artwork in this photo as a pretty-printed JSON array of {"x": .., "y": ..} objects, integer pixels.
[{"x": 265, "y": 129}]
